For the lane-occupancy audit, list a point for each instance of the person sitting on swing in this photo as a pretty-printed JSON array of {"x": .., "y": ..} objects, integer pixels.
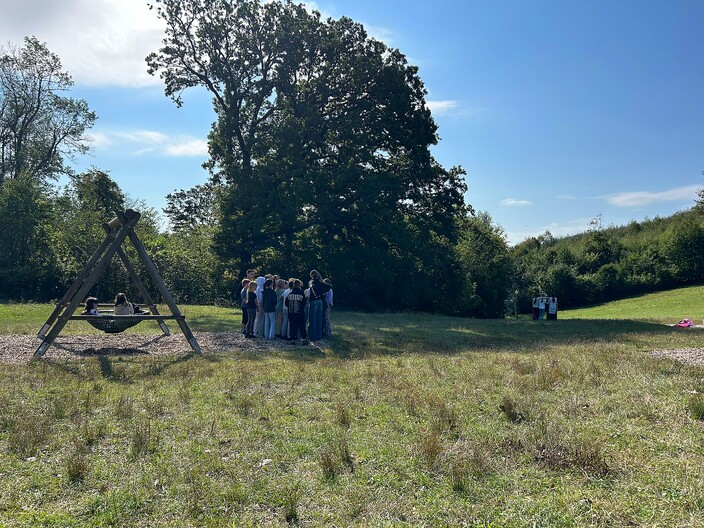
[
  {"x": 91, "y": 307},
  {"x": 122, "y": 305}
]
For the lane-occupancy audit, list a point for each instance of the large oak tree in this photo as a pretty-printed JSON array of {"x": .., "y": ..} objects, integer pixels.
[{"x": 322, "y": 134}]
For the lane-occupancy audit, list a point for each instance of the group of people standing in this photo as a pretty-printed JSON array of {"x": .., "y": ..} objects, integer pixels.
[
  {"x": 543, "y": 305},
  {"x": 277, "y": 308}
]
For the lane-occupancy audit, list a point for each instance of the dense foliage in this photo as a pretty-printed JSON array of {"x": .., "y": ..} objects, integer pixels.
[
  {"x": 319, "y": 159},
  {"x": 320, "y": 152},
  {"x": 609, "y": 263},
  {"x": 39, "y": 127},
  {"x": 315, "y": 163}
]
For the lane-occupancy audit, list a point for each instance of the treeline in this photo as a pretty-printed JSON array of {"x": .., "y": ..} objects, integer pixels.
[
  {"x": 315, "y": 163},
  {"x": 49, "y": 235},
  {"x": 320, "y": 158},
  {"x": 603, "y": 264}
]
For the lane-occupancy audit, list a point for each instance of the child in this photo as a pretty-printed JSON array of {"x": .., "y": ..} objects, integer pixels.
[
  {"x": 243, "y": 303},
  {"x": 295, "y": 302},
  {"x": 122, "y": 305},
  {"x": 259, "y": 318},
  {"x": 285, "y": 326},
  {"x": 317, "y": 291},
  {"x": 252, "y": 307},
  {"x": 269, "y": 301},
  {"x": 552, "y": 308},
  {"x": 327, "y": 307},
  {"x": 280, "y": 288},
  {"x": 91, "y": 307}
]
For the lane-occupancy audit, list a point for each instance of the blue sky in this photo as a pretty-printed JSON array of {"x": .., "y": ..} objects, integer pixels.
[{"x": 559, "y": 111}]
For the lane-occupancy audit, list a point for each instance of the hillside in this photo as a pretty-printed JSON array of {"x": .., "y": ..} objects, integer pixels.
[
  {"x": 605, "y": 264},
  {"x": 665, "y": 306}
]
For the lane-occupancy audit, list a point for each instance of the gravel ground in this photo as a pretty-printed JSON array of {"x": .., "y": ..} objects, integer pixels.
[
  {"x": 20, "y": 348},
  {"x": 691, "y": 356}
]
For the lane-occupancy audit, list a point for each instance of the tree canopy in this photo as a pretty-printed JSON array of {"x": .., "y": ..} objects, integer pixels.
[
  {"x": 39, "y": 127},
  {"x": 322, "y": 134}
]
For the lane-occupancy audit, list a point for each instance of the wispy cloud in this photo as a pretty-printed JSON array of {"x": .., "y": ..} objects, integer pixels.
[
  {"x": 557, "y": 229},
  {"x": 641, "y": 198},
  {"x": 144, "y": 136},
  {"x": 100, "y": 42},
  {"x": 99, "y": 140},
  {"x": 513, "y": 202},
  {"x": 188, "y": 147},
  {"x": 143, "y": 142},
  {"x": 564, "y": 197},
  {"x": 441, "y": 107}
]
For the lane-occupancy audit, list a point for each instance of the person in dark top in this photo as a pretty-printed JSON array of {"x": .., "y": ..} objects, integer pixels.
[
  {"x": 269, "y": 300},
  {"x": 252, "y": 307},
  {"x": 318, "y": 289},
  {"x": 295, "y": 302},
  {"x": 243, "y": 299}
]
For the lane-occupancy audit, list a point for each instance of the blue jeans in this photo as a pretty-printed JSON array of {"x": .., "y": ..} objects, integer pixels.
[
  {"x": 284, "y": 326},
  {"x": 269, "y": 324},
  {"x": 315, "y": 317}
]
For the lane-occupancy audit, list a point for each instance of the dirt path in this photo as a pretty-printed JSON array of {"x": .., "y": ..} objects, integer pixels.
[{"x": 20, "y": 348}]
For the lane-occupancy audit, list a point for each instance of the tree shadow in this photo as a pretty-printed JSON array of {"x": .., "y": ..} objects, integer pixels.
[{"x": 401, "y": 334}]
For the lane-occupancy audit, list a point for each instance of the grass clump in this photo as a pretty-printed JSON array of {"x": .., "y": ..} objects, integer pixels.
[
  {"x": 76, "y": 463},
  {"x": 335, "y": 457},
  {"x": 343, "y": 415},
  {"x": 696, "y": 406},
  {"x": 28, "y": 432},
  {"x": 430, "y": 447},
  {"x": 511, "y": 410},
  {"x": 142, "y": 437}
]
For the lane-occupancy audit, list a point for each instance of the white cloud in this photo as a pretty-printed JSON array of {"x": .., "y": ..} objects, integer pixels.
[
  {"x": 510, "y": 202},
  {"x": 441, "y": 107},
  {"x": 572, "y": 227},
  {"x": 142, "y": 142},
  {"x": 564, "y": 197},
  {"x": 100, "y": 42},
  {"x": 641, "y": 198},
  {"x": 99, "y": 140},
  {"x": 188, "y": 147},
  {"x": 143, "y": 136}
]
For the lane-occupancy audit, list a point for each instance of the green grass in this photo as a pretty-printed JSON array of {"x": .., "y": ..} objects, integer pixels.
[
  {"x": 404, "y": 420},
  {"x": 665, "y": 307}
]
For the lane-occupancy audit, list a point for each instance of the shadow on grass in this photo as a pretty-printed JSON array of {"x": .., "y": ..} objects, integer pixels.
[
  {"x": 362, "y": 334},
  {"x": 214, "y": 323}
]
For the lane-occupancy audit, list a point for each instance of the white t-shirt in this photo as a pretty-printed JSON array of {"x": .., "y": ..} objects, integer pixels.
[
  {"x": 552, "y": 305},
  {"x": 541, "y": 303}
]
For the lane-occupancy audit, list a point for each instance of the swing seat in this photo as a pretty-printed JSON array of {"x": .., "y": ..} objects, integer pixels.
[{"x": 113, "y": 325}]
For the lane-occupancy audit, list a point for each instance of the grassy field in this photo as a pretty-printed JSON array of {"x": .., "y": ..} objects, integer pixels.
[
  {"x": 666, "y": 306},
  {"x": 402, "y": 420}
]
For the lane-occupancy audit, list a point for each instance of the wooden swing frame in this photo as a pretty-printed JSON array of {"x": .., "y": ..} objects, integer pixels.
[{"x": 117, "y": 230}]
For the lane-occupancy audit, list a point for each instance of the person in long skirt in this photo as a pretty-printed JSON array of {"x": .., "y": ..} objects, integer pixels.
[
  {"x": 259, "y": 320},
  {"x": 280, "y": 287},
  {"x": 327, "y": 308}
]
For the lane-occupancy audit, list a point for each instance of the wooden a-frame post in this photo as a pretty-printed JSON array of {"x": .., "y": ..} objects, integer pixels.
[{"x": 117, "y": 230}]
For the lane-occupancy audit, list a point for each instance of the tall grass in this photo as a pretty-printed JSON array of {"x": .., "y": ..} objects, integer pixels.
[{"x": 401, "y": 419}]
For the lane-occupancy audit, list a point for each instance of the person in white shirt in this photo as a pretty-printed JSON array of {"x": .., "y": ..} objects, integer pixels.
[
  {"x": 541, "y": 307},
  {"x": 285, "y": 327},
  {"x": 122, "y": 305},
  {"x": 552, "y": 308}
]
